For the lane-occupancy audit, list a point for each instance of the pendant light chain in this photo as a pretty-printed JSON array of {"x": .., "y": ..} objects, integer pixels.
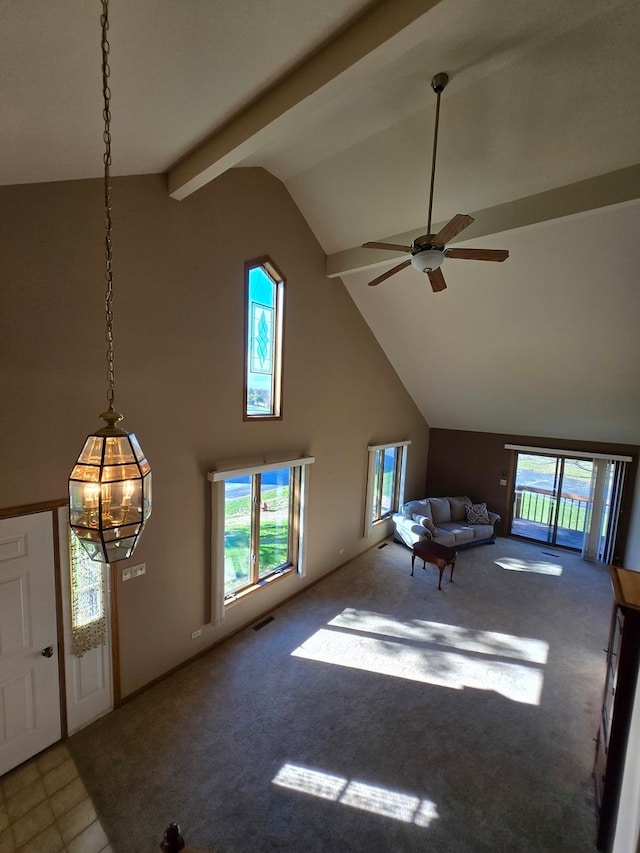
[
  {"x": 110, "y": 484},
  {"x": 106, "y": 114}
]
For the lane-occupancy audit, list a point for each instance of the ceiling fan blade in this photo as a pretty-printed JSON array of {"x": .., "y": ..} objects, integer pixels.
[
  {"x": 459, "y": 222},
  {"x": 393, "y": 247},
  {"x": 437, "y": 280},
  {"x": 389, "y": 273},
  {"x": 478, "y": 254}
]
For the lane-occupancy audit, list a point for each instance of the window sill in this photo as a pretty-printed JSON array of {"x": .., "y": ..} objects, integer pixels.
[
  {"x": 235, "y": 598},
  {"x": 387, "y": 517}
]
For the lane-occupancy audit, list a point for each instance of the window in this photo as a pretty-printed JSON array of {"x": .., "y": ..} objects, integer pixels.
[
  {"x": 88, "y": 613},
  {"x": 263, "y": 340},
  {"x": 257, "y": 526},
  {"x": 385, "y": 482},
  {"x": 258, "y": 534}
]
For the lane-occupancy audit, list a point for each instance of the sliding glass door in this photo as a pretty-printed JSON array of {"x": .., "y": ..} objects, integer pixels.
[
  {"x": 568, "y": 499},
  {"x": 552, "y": 499}
]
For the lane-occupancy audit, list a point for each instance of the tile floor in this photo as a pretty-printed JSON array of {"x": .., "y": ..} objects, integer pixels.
[{"x": 44, "y": 808}]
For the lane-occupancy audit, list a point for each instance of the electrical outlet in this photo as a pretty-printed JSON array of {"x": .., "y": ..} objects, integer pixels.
[
  {"x": 196, "y": 634},
  {"x": 134, "y": 571},
  {"x": 503, "y": 482}
]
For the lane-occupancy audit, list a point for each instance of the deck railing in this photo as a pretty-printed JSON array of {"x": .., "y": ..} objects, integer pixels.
[{"x": 539, "y": 505}]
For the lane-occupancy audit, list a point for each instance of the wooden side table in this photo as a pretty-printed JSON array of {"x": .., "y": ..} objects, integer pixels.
[{"x": 435, "y": 553}]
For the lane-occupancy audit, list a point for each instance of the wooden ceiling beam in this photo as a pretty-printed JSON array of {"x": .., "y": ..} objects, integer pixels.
[
  {"x": 385, "y": 31},
  {"x": 617, "y": 187}
]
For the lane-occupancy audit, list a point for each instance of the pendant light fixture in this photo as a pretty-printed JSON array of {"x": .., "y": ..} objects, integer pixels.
[{"x": 110, "y": 484}]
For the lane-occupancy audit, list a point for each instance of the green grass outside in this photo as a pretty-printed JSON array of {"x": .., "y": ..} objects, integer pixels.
[
  {"x": 541, "y": 509},
  {"x": 580, "y": 468},
  {"x": 274, "y": 537}
]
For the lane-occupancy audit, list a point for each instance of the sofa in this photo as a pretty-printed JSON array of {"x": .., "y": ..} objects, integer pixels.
[{"x": 454, "y": 522}]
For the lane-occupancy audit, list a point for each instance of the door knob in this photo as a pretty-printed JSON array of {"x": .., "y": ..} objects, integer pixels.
[{"x": 48, "y": 652}]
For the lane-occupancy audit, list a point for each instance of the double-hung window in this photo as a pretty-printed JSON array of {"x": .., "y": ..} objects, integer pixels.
[
  {"x": 385, "y": 482},
  {"x": 258, "y": 515}
]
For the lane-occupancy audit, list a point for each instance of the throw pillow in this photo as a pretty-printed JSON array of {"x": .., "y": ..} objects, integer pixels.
[
  {"x": 430, "y": 526},
  {"x": 477, "y": 514},
  {"x": 426, "y": 523}
]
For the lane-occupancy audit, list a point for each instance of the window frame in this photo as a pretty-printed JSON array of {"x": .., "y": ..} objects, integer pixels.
[
  {"x": 257, "y": 575},
  {"x": 90, "y": 633},
  {"x": 298, "y": 480},
  {"x": 373, "y": 496},
  {"x": 279, "y": 282}
]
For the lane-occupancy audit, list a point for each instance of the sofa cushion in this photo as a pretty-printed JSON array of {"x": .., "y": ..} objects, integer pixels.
[
  {"x": 477, "y": 514},
  {"x": 462, "y": 533},
  {"x": 458, "y": 507},
  {"x": 445, "y": 537},
  {"x": 483, "y": 531},
  {"x": 423, "y": 508},
  {"x": 440, "y": 510}
]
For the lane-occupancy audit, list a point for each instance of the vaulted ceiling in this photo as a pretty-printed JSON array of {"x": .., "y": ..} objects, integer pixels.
[{"x": 539, "y": 140}]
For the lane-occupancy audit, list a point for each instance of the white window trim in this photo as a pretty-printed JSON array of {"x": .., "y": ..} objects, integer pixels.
[
  {"x": 368, "y": 508},
  {"x": 577, "y": 454},
  {"x": 217, "y": 479}
]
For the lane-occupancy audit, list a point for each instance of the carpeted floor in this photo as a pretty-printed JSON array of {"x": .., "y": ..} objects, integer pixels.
[{"x": 375, "y": 713}]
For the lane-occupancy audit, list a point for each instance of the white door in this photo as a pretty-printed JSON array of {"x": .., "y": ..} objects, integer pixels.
[
  {"x": 29, "y": 677},
  {"x": 88, "y": 678}
]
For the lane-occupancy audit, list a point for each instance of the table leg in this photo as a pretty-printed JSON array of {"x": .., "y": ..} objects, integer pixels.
[
  {"x": 413, "y": 559},
  {"x": 440, "y": 564},
  {"x": 453, "y": 565}
]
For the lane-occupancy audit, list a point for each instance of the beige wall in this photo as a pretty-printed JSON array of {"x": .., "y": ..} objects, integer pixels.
[{"x": 179, "y": 299}]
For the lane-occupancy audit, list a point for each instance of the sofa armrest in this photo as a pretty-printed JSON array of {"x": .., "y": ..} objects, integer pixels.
[{"x": 493, "y": 517}]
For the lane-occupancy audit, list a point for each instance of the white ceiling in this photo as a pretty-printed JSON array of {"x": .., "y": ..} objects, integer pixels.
[{"x": 539, "y": 139}]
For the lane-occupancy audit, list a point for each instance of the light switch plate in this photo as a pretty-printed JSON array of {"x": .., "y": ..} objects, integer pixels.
[{"x": 134, "y": 571}]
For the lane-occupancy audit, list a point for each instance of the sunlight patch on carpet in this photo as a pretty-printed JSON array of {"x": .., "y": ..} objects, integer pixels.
[
  {"x": 454, "y": 636},
  {"x": 536, "y": 567},
  {"x": 431, "y": 653},
  {"x": 358, "y": 795}
]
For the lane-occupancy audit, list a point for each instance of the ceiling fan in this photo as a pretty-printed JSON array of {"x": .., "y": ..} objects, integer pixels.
[{"x": 429, "y": 250}]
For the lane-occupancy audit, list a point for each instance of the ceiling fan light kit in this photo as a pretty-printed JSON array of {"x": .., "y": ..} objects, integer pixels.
[
  {"x": 427, "y": 260},
  {"x": 429, "y": 250}
]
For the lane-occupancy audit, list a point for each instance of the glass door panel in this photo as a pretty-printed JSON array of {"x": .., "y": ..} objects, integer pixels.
[
  {"x": 535, "y": 496},
  {"x": 574, "y": 505},
  {"x": 552, "y": 499}
]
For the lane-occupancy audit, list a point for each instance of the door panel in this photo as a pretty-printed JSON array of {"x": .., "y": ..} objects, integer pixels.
[
  {"x": 552, "y": 499},
  {"x": 535, "y": 497},
  {"x": 88, "y": 678},
  {"x": 29, "y": 680}
]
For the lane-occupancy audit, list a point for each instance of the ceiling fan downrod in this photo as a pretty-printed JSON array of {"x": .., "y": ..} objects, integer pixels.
[{"x": 438, "y": 84}]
